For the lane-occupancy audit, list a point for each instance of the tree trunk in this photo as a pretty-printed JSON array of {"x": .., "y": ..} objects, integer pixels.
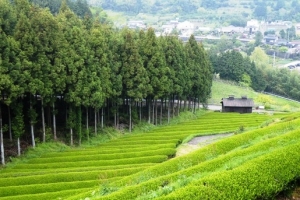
[
  {"x": 70, "y": 119},
  {"x": 43, "y": 120},
  {"x": 168, "y": 111},
  {"x": 79, "y": 121},
  {"x": 32, "y": 135},
  {"x": 173, "y": 106},
  {"x": 118, "y": 117},
  {"x": 1, "y": 139},
  {"x": 48, "y": 114},
  {"x": 54, "y": 122},
  {"x": 95, "y": 112},
  {"x": 141, "y": 105},
  {"x": 149, "y": 111},
  {"x": 71, "y": 137},
  {"x": 87, "y": 124},
  {"x": 155, "y": 111},
  {"x": 102, "y": 118},
  {"x": 161, "y": 110},
  {"x": 178, "y": 106},
  {"x": 130, "y": 122},
  {"x": 32, "y": 129},
  {"x": 9, "y": 125},
  {"x": 19, "y": 146},
  {"x": 115, "y": 117}
]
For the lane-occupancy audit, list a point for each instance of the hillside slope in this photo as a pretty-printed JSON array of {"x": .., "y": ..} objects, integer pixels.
[
  {"x": 221, "y": 89},
  {"x": 205, "y": 9}
]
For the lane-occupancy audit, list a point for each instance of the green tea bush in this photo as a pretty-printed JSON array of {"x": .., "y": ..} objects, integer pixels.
[
  {"x": 28, "y": 172},
  {"x": 137, "y": 160},
  {"x": 46, "y": 187},
  {"x": 66, "y": 177},
  {"x": 46, "y": 195},
  {"x": 260, "y": 178},
  {"x": 168, "y": 152},
  {"x": 208, "y": 152},
  {"x": 222, "y": 163}
]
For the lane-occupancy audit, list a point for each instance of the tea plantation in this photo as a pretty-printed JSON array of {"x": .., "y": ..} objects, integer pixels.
[{"x": 258, "y": 161}]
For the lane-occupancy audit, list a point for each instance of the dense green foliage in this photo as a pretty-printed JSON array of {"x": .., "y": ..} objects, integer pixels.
[
  {"x": 79, "y": 7},
  {"x": 63, "y": 68}
]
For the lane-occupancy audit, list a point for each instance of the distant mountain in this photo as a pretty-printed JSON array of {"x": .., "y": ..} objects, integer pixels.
[{"x": 263, "y": 9}]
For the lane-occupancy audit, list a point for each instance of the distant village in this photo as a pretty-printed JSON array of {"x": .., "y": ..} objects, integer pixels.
[
  {"x": 269, "y": 30},
  {"x": 245, "y": 34}
]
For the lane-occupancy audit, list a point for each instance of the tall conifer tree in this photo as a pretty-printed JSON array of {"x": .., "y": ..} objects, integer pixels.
[{"x": 134, "y": 75}]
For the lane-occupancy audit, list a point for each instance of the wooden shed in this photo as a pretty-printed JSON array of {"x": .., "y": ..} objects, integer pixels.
[{"x": 240, "y": 105}]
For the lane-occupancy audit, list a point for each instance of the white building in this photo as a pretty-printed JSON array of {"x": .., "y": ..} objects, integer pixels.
[
  {"x": 252, "y": 26},
  {"x": 186, "y": 28},
  {"x": 136, "y": 24}
]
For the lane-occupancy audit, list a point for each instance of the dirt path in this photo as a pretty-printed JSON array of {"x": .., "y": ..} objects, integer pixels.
[{"x": 199, "y": 142}]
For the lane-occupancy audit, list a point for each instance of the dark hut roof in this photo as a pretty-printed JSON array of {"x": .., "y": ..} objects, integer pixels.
[{"x": 237, "y": 102}]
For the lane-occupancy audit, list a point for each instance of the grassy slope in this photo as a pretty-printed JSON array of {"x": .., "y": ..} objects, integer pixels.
[{"x": 221, "y": 89}]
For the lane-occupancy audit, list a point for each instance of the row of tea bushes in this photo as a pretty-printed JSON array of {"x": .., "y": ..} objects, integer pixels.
[
  {"x": 213, "y": 150},
  {"x": 29, "y": 172},
  {"x": 189, "y": 165},
  {"x": 60, "y": 194},
  {"x": 260, "y": 178},
  {"x": 95, "y": 163},
  {"x": 221, "y": 163},
  {"x": 66, "y": 177},
  {"x": 106, "y": 157}
]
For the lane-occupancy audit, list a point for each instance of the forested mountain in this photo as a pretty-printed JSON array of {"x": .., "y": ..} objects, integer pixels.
[
  {"x": 65, "y": 77},
  {"x": 79, "y": 7},
  {"x": 268, "y": 10}
]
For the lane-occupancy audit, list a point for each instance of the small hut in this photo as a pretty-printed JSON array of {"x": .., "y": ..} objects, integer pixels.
[{"x": 240, "y": 105}]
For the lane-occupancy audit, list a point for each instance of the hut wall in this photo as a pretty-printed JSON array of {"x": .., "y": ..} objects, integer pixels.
[{"x": 237, "y": 109}]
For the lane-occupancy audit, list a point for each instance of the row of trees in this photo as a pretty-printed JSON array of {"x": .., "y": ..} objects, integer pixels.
[
  {"x": 81, "y": 70},
  {"x": 232, "y": 65}
]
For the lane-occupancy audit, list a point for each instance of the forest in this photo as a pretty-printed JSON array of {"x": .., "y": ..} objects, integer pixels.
[
  {"x": 269, "y": 10},
  {"x": 65, "y": 77}
]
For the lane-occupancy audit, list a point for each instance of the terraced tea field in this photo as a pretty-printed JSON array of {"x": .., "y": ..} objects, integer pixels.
[{"x": 142, "y": 166}]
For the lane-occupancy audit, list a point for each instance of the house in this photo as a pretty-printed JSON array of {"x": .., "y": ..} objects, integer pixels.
[
  {"x": 229, "y": 30},
  {"x": 252, "y": 26},
  {"x": 167, "y": 29},
  {"x": 240, "y": 105},
  {"x": 136, "y": 24},
  {"x": 186, "y": 28},
  {"x": 271, "y": 39}
]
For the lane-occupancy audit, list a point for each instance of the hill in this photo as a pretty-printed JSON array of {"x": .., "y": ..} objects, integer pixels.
[{"x": 205, "y": 9}]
